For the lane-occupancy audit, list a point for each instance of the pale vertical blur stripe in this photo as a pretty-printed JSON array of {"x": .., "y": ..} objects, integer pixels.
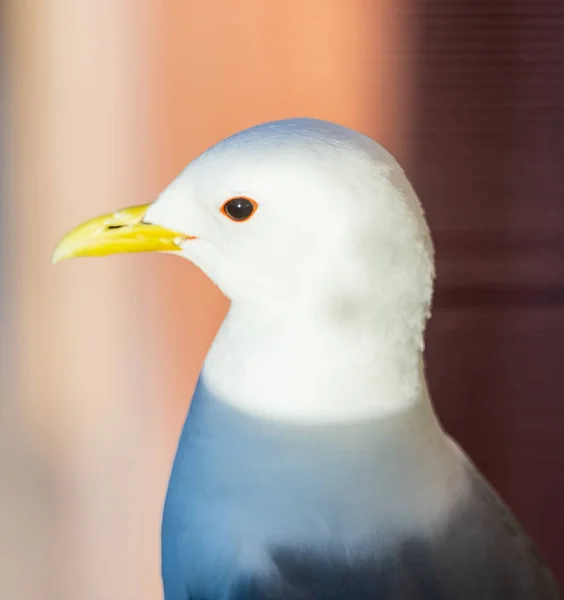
[
  {"x": 111, "y": 99},
  {"x": 83, "y": 142}
]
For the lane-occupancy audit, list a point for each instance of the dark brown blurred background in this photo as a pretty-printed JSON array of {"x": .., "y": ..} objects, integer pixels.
[
  {"x": 487, "y": 157},
  {"x": 108, "y": 99}
]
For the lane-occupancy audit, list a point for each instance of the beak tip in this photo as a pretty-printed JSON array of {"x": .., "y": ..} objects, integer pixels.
[{"x": 59, "y": 254}]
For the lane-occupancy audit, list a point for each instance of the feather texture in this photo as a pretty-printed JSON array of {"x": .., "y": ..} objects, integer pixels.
[{"x": 387, "y": 510}]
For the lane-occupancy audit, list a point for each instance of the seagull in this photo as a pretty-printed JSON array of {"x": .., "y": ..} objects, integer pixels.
[{"x": 312, "y": 464}]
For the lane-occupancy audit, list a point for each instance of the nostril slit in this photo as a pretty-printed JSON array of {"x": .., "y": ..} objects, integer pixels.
[{"x": 114, "y": 226}]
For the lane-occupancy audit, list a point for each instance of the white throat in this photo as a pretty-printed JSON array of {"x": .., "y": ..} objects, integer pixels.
[{"x": 305, "y": 368}]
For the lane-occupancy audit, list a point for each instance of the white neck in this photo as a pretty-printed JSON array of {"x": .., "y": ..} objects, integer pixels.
[{"x": 305, "y": 367}]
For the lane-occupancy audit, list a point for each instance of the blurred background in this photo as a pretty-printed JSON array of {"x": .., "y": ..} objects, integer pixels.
[{"x": 105, "y": 101}]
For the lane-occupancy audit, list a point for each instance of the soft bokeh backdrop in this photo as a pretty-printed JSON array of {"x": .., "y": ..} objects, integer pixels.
[{"x": 105, "y": 101}]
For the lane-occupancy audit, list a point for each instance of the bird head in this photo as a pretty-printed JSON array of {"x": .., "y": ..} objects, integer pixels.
[
  {"x": 317, "y": 237},
  {"x": 293, "y": 215}
]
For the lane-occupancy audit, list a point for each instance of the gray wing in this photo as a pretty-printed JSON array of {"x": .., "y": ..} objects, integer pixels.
[{"x": 482, "y": 554}]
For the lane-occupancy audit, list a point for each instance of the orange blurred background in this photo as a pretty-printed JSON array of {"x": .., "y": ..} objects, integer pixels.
[{"x": 109, "y": 99}]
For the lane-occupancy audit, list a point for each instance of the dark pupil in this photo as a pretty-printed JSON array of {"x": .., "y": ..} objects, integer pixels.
[{"x": 239, "y": 209}]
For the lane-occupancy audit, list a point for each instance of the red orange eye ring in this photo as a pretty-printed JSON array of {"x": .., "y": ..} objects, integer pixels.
[{"x": 239, "y": 208}]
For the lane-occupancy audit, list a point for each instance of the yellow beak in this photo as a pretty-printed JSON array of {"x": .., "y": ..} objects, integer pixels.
[{"x": 123, "y": 231}]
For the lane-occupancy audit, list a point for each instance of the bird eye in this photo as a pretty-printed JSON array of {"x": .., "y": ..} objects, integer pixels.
[{"x": 239, "y": 209}]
